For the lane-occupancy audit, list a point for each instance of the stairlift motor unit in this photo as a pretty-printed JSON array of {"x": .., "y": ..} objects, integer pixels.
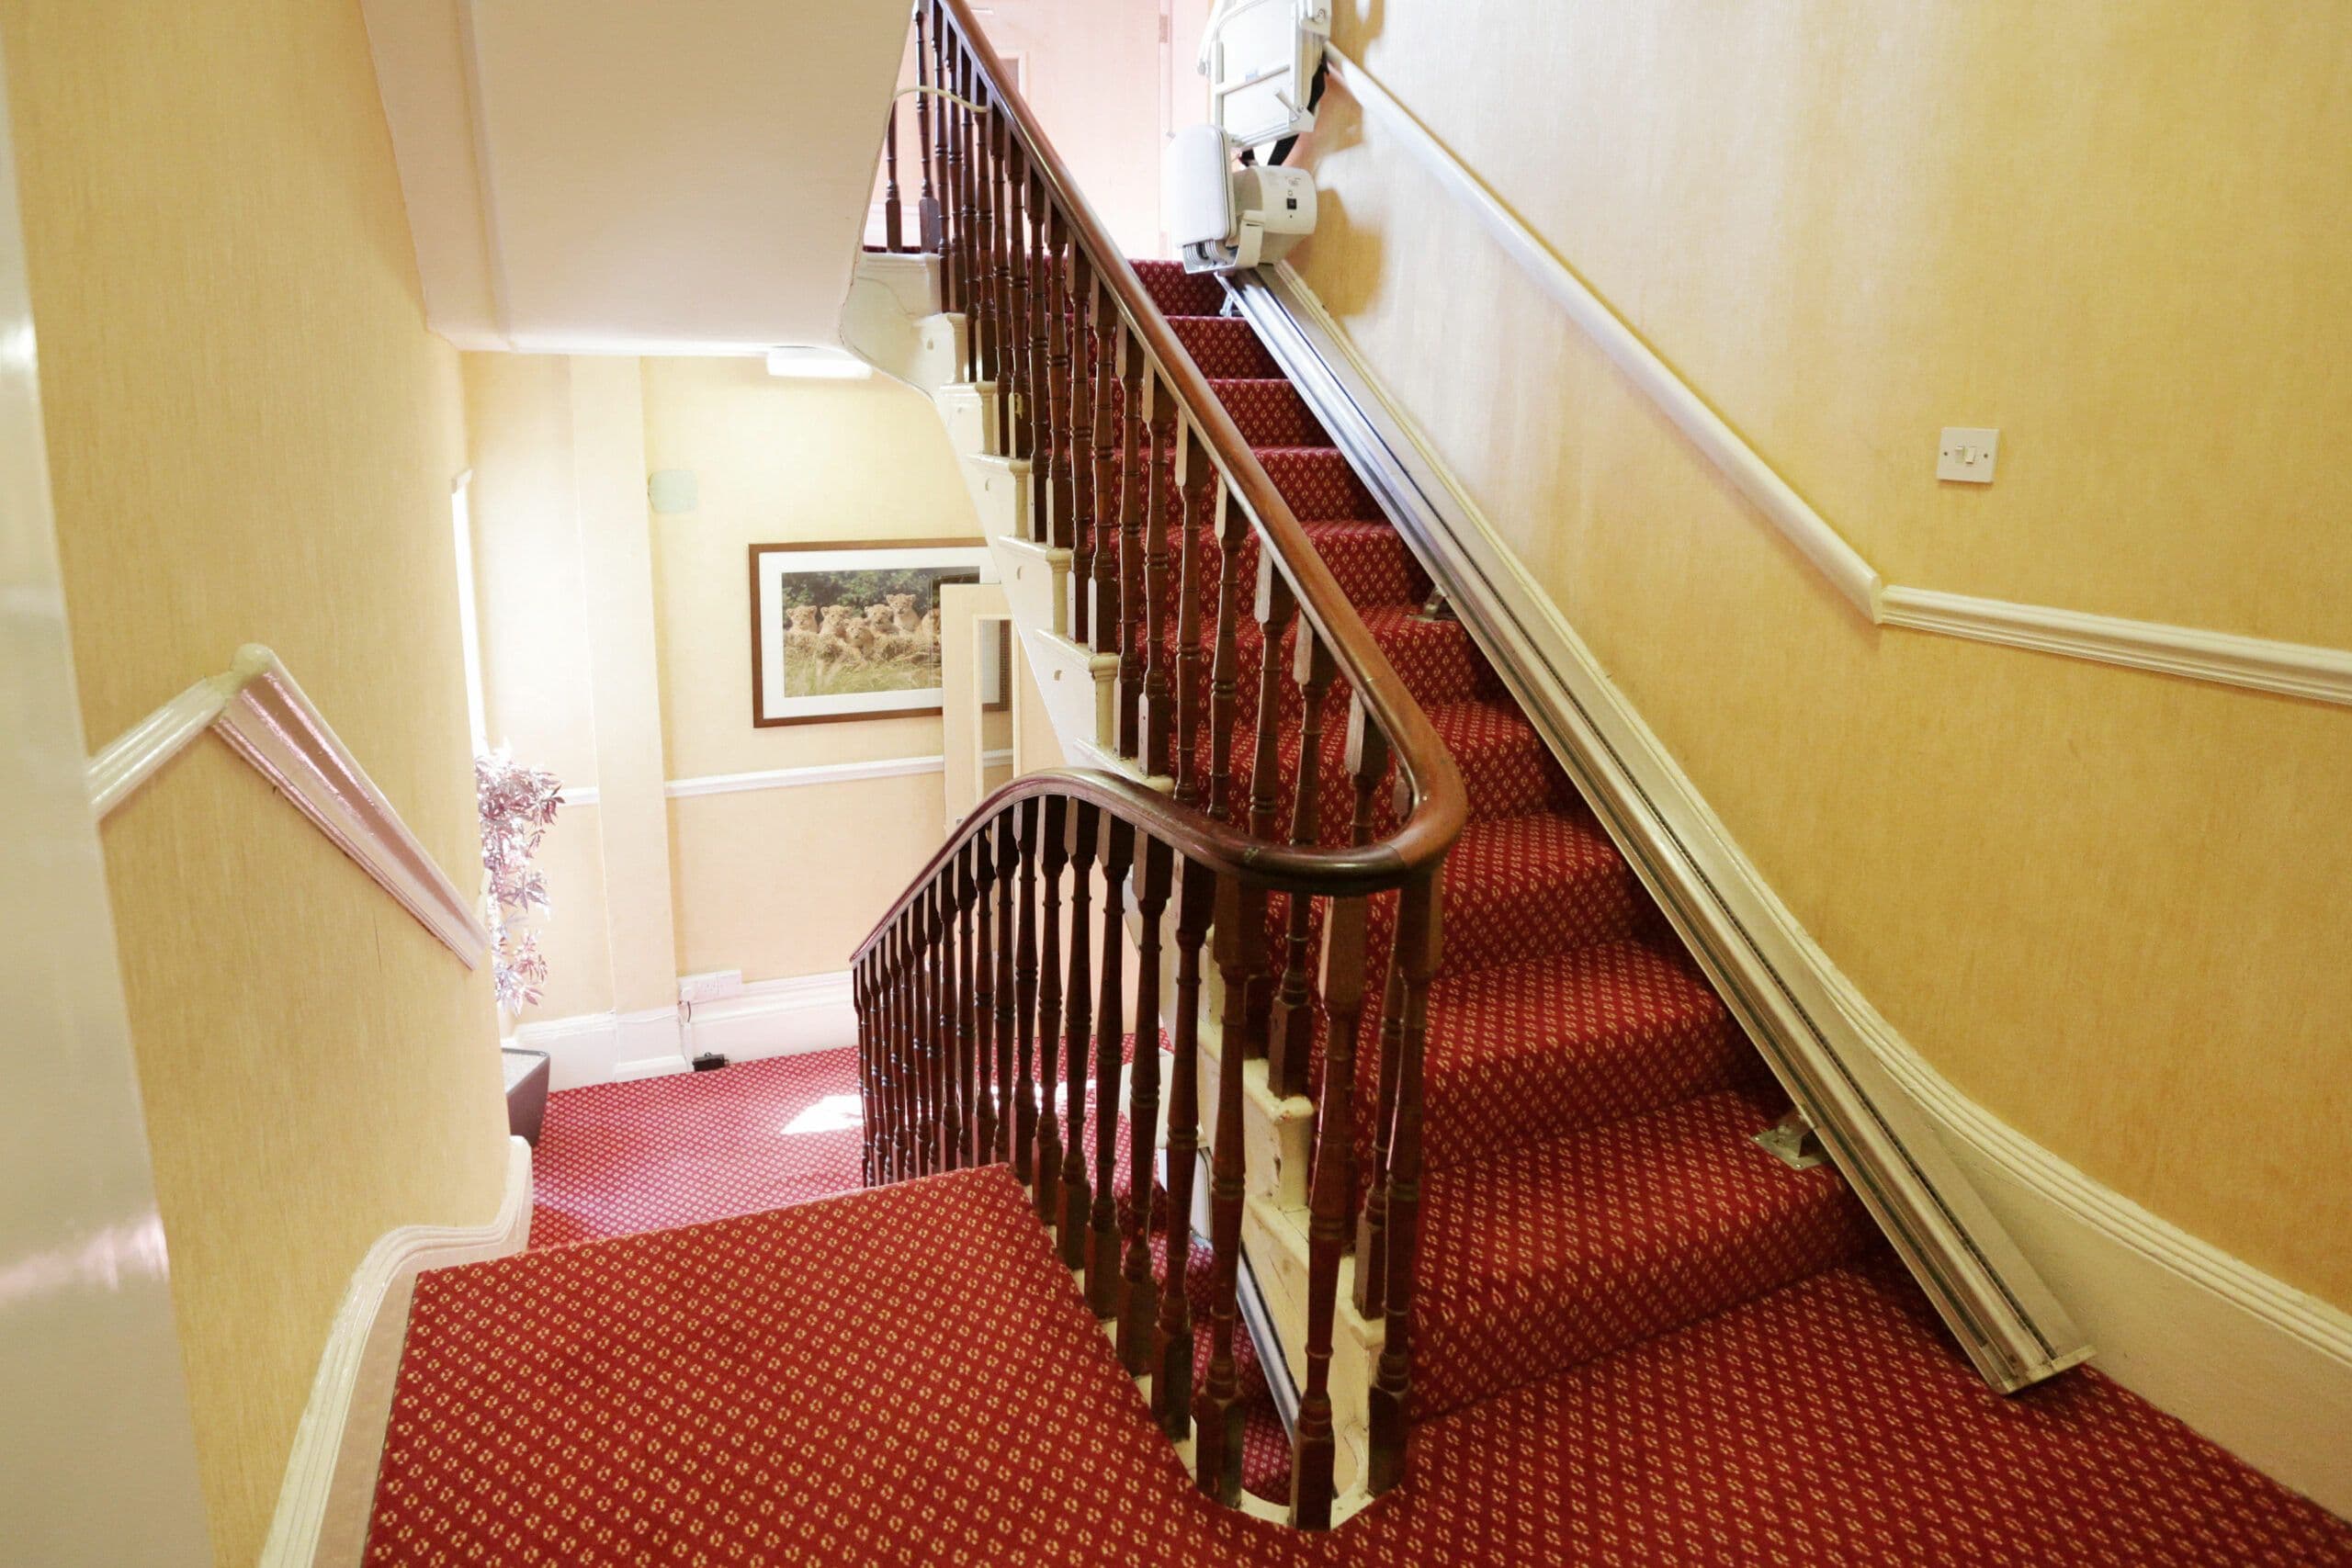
[{"x": 1221, "y": 215}]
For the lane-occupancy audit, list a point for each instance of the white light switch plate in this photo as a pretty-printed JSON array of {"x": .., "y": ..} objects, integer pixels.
[{"x": 1967, "y": 455}]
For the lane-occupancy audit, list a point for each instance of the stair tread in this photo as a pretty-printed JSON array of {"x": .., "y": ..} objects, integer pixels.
[
  {"x": 1546, "y": 1256},
  {"x": 1520, "y": 1053}
]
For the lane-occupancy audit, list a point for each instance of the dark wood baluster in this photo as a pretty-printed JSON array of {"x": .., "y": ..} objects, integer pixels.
[
  {"x": 1137, "y": 1315},
  {"x": 894, "y": 235},
  {"x": 1008, "y": 1104},
  {"x": 967, "y": 205},
  {"x": 1197, "y": 482},
  {"x": 1332, "y": 1177},
  {"x": 983, "y": 150},
  {"x": 1021, "y": 830},
  {"x": 955, "y": 962},
  {"x": 1133, "y": 471},
  {"x": 1078, "y": 461},
  {"x": 1110, "y": 1037},
  {"x": 979, "y": 992},
  {"x": 934, "y": 1046},
  {"x": 1418, "y": 940},
  {"x": 1290, "y": 1035},
  {"x": 1371, "y": 1219},
  {"x": 1110, "y": 348},
  {"x": 1275, "y": 605},
  {"x": 1158, "y": 724},
  {"x": 1043, "y": 298},
  {"x": 1055, "y": 486},
  {"x": 1217, "y": 1408},
  {"x": 1086, "y": 827},
  {"x": 1171, "y": 1383},
  {"x": 1008, "y": 330},
  {"x": 1053, "y": 849},
  {"x": 928, "y": 233},
  {"x": 861, "y": 1000},
  {"x": 1014, "y": 287},
  {"x": 892, "y": 946},
  {"x": 902, "y": 1046},
  {"x": 1225, "y": 677},
  {"x": 946, "y": 112}
]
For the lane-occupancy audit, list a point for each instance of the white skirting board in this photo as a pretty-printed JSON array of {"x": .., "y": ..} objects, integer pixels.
[
  {"x": 329, "y": 1492},
  {"x": 771, "y": 1018},
  {"x": 2259, "y": 1367}
]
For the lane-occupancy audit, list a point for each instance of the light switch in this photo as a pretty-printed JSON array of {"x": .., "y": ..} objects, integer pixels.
[{"x": 1967, "y": 456}]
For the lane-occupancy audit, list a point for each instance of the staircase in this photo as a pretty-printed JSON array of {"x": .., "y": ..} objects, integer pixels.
[
  {"x": 1320, "y": 971},
  {"x": 1471, "y": 1129}
]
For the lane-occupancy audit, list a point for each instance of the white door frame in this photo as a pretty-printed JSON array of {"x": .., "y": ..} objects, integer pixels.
[{"x": 98, "y": 1453}]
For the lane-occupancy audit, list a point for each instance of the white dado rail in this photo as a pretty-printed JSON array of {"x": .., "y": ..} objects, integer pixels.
[
  {"x": 2301, "y": 670},
  {"x": 258, "y": 707}
]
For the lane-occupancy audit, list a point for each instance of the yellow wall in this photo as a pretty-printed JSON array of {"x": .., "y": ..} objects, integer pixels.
[
  {"x": 775, "y": 883},
  {"x": 2108, "y": 904},
  {"x": 253, "y": 437}
]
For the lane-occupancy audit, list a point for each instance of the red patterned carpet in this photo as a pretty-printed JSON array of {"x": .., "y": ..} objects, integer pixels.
[
  {"x": 1637, "y": 1337},
  {"x": 620, "y": 1159},
  {"x": 908, "y": 1376}
]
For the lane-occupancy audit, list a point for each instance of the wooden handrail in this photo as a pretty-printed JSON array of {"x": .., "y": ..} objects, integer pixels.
[
  {"x": 984, "y": 1035},
  {"x": 1439, "y": 801}
]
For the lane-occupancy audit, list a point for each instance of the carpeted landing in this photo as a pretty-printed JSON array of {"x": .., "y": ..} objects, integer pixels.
[{"x": 908, "y": 1376}]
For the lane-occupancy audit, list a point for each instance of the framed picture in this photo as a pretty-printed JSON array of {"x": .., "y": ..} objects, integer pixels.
[{"x": 852, "y": 630}]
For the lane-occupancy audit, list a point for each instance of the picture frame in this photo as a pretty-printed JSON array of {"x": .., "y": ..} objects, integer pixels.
[{"x": 850, "y": 629}]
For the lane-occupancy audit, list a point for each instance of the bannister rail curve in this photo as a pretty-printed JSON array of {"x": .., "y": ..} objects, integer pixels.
[{"x": 1288, "y": 815}]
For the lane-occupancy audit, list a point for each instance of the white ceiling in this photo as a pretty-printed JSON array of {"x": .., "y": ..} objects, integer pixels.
[{"x": 634, "y": 176}]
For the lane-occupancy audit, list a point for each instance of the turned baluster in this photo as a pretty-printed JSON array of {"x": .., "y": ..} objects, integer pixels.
[
  {"x": 957, "y": 1021},
  {"x": 1197, "y": 482},
  {"x": 1007, "y": 1105},
  {"x": 1044, "y": 300},
  {"x": 994, "y": 369},
  {"x": 1011, "y": 340},
  {"x": 1172, "y": 1382},
  {"x": 927, "y": 205},
  {"x": 935, "y": 1047},
  {"x": 1110, "y": 1036},
  {"x": 1134, "y": 472},
  {"x": 1079, "y": 460},
  {"x": 952, "y": 294},
  {"x": 895, "y": 1003},
  {"x": 1216, "y": 1407},
  {"x": 1418, "y": 937},
  {"x": 1053, "y": 849},
  {"x": 1371, "y": 1219},
  {"x": 1052, "y": 486},
  {"x": 1290, "y": 1035},
  {"x": 862, "y": 999},
  {"x": 1224, "y": 676},
  {"x": 1085, "y": 822},
  {"x": 1136, "y": 1302},
  {"x": 967, "y": 205},
  {"x": 1158, "y": 724},
  {"x": 1021, "y": 830},
  {"x": 1110, "y": 348},
  {"x": 893, "y": 220},
  {"x": 1331, "y": 1180},
  {"x": 979, "y": 993},
  {"x": 1275, "y": 604}
]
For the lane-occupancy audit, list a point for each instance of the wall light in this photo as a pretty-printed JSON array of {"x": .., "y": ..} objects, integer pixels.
[{"x": 817, "y": 364}]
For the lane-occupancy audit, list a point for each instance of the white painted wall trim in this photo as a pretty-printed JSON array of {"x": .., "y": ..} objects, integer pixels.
[
  {"x": 261, "y": 710},
  {"x": 770, "y": 1017},
  {"x": 2298, "y": 669},
  {"x": 2301, "y": 670},
  {"x": 782, "y": 778},
  {"x": 802, "y": 778},
  {"x": 2259, "y": 1367},
  {"x": 329, "y": 1492}
]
